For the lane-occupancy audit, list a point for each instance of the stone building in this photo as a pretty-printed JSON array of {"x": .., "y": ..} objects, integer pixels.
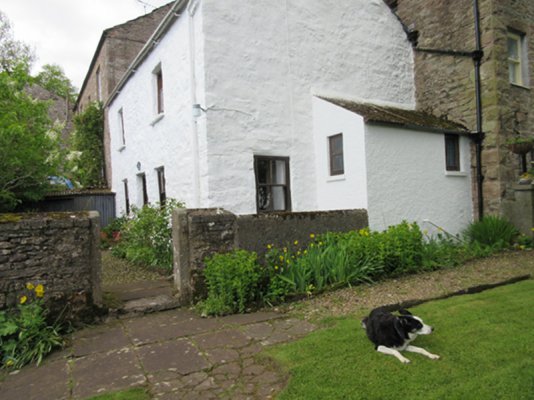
[
  {"x": 443, "y": 34},
  {"x": 116, "y": 49}
]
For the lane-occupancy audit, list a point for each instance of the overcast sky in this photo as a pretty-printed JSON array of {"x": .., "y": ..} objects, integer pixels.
[{"x": 66, "y": 32}]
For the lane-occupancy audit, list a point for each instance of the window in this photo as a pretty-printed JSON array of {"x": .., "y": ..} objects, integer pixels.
[
  {"x": 158, "y": 78},
  {"x": 121, "y": 127},
  {"x": 452, "y": 153},
  {"x": 517, "y": 57},
  {"x": 335, "y": 149},
  {"x": 272, "y": 184},
  {"x": 126, "y": 196},
  {"x": 161, "y": 185},
  {"x": 98, "y": 84},
  {"x": 142, "y": 194}
]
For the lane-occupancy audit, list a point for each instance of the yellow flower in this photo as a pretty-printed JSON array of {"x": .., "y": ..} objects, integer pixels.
[
  {"x": 23, "y": 299},
  {"x": 39, "y": 290},
  {"x": 276, "y": 267},
  {"x": 296, "y": 242},
  {"x": 320, "y": 243},
  {"x": 281, "y": 258},
  {"x": 9, "y": 363},
  {"x": 305, "y": 251},
  {"x": 285, "y": 249},
  {"x": 269, "y": 246},
  {"x": 298, "y": 253},
  {"x": 30, "y": 286},
  {"x": 312, "y": 235}
]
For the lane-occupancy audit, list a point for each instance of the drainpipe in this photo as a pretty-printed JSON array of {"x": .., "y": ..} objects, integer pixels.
[
  {"x": 477, "y": 59},
  {"x": 191, "y": 9}
]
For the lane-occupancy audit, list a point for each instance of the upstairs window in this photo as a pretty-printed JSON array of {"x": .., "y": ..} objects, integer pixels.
[
  {"x": 98, "y": 84},
  {"x": 335, "y": 149},
  {"x": 517, "y": 58},
  {"x": 452, "y": 153},
  {"x": 121, "y": 128},
  {"x": 272, "y": 184},
  {"x": 158, "y": 81}
]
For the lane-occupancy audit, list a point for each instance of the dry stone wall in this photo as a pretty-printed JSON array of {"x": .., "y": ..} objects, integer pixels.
[
  {"x": 58, "y": 250},
  {"x": 200, "y": 233}
]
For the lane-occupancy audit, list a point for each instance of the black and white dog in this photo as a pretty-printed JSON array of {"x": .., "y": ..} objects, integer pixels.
[{"x": 392, "y": 334}]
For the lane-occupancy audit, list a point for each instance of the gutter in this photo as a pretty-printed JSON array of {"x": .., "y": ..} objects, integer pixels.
[{"x": 162, "y": 28}]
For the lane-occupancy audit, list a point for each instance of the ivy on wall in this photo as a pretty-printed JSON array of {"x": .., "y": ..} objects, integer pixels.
[{"x": 88, "y": 147}]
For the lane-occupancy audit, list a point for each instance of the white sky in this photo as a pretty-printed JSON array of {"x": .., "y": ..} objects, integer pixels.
[{"x": 66, "y": 32}]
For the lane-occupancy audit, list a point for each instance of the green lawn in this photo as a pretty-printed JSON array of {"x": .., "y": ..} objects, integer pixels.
[{"x": 486, "y": 344}]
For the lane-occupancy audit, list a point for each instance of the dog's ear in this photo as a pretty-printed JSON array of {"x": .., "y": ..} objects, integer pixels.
[
  {"x": 400, "y": 326},
  {"x": 403, "y": 311}
]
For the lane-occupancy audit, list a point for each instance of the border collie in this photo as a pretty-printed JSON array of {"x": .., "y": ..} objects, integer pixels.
[{"x": 392, "y": 334}]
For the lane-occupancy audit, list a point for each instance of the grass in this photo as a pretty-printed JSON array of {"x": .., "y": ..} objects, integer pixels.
[
  {"x": 130, "y": 394},
  {"x": 484, "y": 340}
]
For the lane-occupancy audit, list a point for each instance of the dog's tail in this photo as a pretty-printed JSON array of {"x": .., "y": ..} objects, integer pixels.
[{"x": 364, "y": 323}]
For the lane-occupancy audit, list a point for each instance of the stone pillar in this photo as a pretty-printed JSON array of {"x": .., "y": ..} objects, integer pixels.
[
  {"x": 520, "y": 209},
  {"x": 198, "y": 234}
]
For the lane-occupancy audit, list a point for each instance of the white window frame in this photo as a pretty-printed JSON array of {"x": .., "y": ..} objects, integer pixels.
[{"x": 517, "y": 66}]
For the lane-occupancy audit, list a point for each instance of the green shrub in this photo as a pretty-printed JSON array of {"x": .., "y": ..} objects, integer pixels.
[
  {"x": 25, "y": 335},
  {"x": 146, "y": 238},
  {"x": 233, "y": 281},
  {"x": 492, "y": 231}
]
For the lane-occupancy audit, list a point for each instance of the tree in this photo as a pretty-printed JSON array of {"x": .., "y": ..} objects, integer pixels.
[
  {"x": 88, "y": 142},
  {"x": 25, "y": 141},
  {"x": 13, "y": 53},
  {"x": 53, "y": 79}
]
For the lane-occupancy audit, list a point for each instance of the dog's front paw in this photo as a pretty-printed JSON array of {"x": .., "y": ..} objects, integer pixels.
[
  {"x": 404, "y": 360},
  {"x": 433, "y": 356}
]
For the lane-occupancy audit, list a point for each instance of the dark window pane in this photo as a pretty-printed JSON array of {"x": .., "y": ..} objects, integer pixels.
[
  {"x": 272, "y": 184},
  {"x": 263, "y": 171},
  {"x": 452, "y": 153},
  {"x": 335, "y": 144}
]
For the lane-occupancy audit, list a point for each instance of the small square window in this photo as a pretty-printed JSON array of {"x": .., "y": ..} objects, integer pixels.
[
  {"x": 335, "y": 146},
  {"x": 452, "y": 153},
  {"x": 517, "y": 58}
]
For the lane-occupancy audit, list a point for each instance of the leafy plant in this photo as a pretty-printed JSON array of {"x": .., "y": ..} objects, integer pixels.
[
  {"x": 492, "y": 231},
  {"x": 233, "y": 280},
  {"x": 146, "y": 238},
  {"x": 87, "y": 158},
  {"x": 25, "y": 335}
]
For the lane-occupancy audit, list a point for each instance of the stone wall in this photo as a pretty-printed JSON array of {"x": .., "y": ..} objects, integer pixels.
[
  {"x": 519, "y": 209},
  {"x": 58, "y": 250},
  {"x": 445, "y": 83},
  {"x": 202, "y": 232}
]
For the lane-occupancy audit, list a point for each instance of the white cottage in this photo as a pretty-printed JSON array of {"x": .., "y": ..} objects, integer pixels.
[{"x": 250, "y": 106}]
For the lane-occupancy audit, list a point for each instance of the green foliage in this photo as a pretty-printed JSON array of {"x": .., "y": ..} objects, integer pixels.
[
  {"x": 146, "y": 237},
  {"x": 53, "y": 78},
  {"x": 26, "y": 142},
  {"x": 25, "y": 335},
  {"x": 492, "y": 231},
  {"x": 339, "y": 259},
  {"x": 87, "y": 162},
  {"x": 13, "y": 53},
  {"x": 233, "y": 281},
  {"x": 472, "y": 336},
  {"x": 129, "y": 394}
]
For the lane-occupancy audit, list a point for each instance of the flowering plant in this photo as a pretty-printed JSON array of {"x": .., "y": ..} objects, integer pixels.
[{"x": 25, "y": 335}]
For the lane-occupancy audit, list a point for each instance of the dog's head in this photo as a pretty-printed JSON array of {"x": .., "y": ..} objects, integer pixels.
[{"x": 411, "y": 325}]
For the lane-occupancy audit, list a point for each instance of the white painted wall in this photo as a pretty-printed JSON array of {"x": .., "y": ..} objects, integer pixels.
[
  {"x": 263, "y": 61},
  {"x": 151, "y": 140},
  {"x": 407, "y": 180},
  {"x": 347, "y": 191},
  {"x": 255, "y": 68}
]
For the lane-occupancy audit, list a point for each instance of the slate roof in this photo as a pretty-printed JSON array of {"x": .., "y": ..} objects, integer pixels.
[{"x": 411, "y": 119}]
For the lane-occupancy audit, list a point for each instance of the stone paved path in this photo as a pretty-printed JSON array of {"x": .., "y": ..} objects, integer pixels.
[{"x": 175, "y": 354}]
